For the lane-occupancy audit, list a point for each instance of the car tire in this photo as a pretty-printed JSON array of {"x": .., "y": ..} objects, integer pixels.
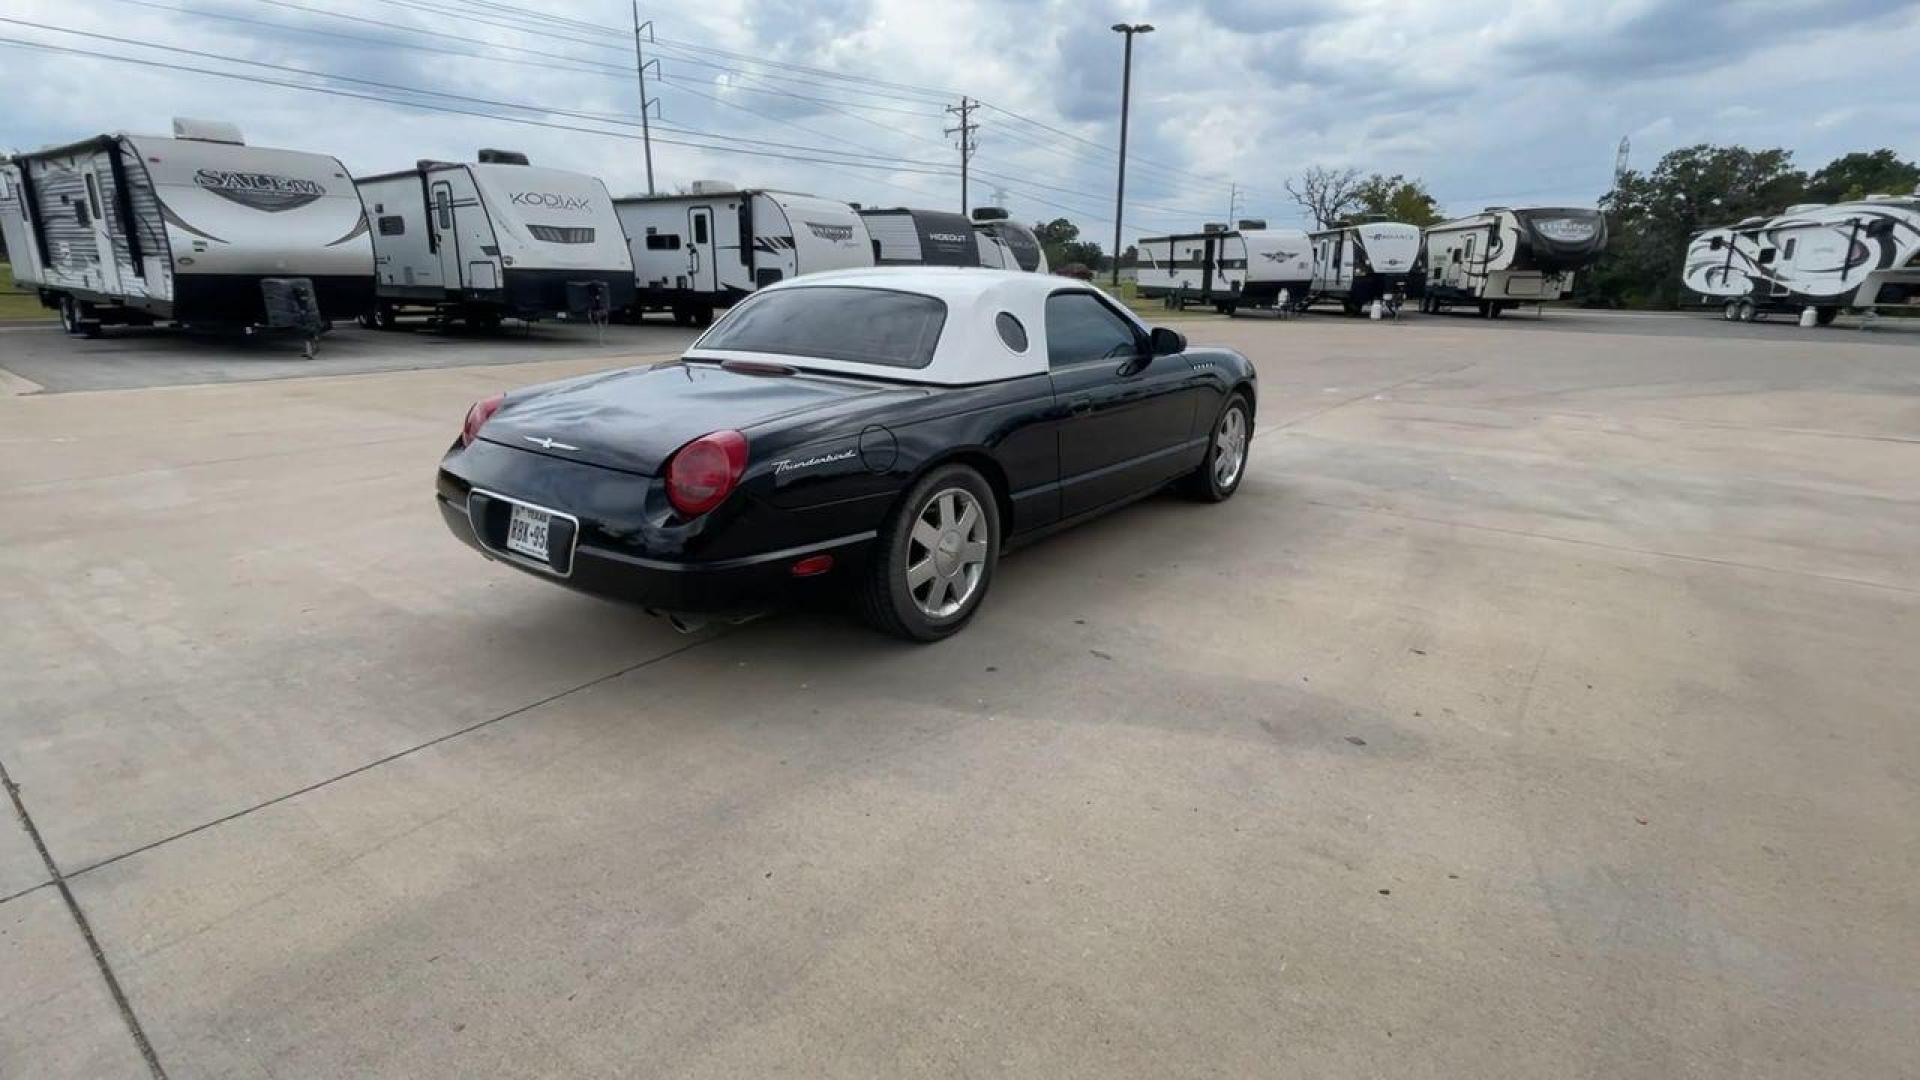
[
  {"x": 944, "y": 537},
  {"x": 1225, "y": 463}
]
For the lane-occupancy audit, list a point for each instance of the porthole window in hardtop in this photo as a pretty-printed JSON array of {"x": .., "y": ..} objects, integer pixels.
[{"x": 1011, "y": 332}]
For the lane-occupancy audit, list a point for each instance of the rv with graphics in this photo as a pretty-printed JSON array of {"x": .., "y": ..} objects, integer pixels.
[
  {"x": 1354, "y": 265},
  {"x": 1501, "y": 258},
  {"x": 1252, "y": 266},
  {"x": 714, "y": 247},
  {"x": 903, "y": 237},
  {"x": 496, "y": 239},
  {"x": 1007, "y": 244},
  {"x": 198, "y": 229},
  {"x": 1863, "y": 255}
]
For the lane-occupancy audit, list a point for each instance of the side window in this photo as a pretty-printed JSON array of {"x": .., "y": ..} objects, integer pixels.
[
  {"x": 93, "y": 196},
  {"x": 443, "y": 200},
  {"x": 663, "y": 241},
  {"x": 1787, "y": 252},
  {"x": 393, "y": 225},
  {"x": 1081, "y": 328},
  {"x": 1011, "y": 332},
  {"x": 700, "y": 230},
  {"x": 1766, "y": 256}
]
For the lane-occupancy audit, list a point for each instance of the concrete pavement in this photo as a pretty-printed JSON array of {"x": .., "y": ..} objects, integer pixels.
[{"x": 1540, "y": 706}]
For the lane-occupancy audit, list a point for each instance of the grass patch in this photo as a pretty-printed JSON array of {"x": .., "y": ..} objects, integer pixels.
[{"x": 16, "y": 305}]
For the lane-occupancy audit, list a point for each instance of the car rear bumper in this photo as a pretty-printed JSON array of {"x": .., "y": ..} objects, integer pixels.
[{"x": 730, "y": 586}]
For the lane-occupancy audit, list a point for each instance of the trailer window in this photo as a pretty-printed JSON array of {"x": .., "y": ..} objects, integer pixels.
[
  {"x": 93, "y": 196},
  {"x": 663, "y": 242},
  {"x": 700, "y": 230},
  {"x": 1716, "y": 244},
  {"x": 1766, "y": 256},
  {"x": 1787, "y": 252},
  {"x": 393, "y": 225},
  {"x": 443, "y": 200},
  {"x": 561, "y": 234}
]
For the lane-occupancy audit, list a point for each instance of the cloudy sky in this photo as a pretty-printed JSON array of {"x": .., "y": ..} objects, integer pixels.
[{"x": 1488, "y": 102}]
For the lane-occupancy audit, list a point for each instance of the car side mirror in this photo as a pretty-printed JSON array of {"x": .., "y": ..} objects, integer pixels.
[{"x": 1167, "y": 342}]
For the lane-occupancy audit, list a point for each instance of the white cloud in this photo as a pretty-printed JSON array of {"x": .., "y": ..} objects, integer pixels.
[{"x": 1487, "y": 101}]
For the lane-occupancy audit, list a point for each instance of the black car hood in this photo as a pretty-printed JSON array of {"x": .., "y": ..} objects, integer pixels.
[{"x": 634, "y": 419}]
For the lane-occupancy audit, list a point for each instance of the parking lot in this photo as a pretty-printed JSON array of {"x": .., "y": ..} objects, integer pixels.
[{"x": 1543, "y": 705}]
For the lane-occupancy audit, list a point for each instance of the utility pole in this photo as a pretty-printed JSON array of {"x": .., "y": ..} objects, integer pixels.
[
  {"x": 1233, "y": 203},
  {"x": 1620, "y": 161},
  {"x": 1126, "y": 94},
  {"x": 965, "y": 130},
  {"x": 640, "y": 63}
]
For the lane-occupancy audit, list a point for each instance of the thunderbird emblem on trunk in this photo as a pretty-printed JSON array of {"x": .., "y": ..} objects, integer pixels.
[{"x": 545, "y": 443}]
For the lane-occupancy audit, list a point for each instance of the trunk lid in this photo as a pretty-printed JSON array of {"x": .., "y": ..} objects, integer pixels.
[{"x": 634, "y": 419}]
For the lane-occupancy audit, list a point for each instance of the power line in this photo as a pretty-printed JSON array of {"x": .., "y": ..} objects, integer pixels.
[{"x": 425, "y": 106}]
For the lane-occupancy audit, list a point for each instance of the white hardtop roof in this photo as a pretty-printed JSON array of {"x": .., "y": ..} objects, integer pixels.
[{"x": 970, "y": 348}]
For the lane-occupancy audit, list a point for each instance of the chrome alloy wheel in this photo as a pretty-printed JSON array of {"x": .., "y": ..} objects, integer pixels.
[
  {"x": 1229, "y": 448},
  {"x": 946, "y": 552}
]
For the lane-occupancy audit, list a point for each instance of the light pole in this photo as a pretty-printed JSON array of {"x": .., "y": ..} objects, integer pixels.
[{"x": 1126, "y": 92}]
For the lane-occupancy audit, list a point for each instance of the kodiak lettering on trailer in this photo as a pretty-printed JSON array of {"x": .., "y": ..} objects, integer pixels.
[
  {"x": 261, "y": 191},
  {"x": 839, "y": 234},
  {"x": 551, "y": 200}
]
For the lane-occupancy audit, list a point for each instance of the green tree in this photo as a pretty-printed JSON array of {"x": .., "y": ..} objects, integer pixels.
[
  {"x": 1397, "y": 198},
  {"x": 1860, "y": 174},
  {"x": 1651, "y": 216},
  {"x": 1060, "y": 239}
]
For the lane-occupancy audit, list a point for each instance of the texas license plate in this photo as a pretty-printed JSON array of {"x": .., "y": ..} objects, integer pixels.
[{"x": 527, "y": 532}]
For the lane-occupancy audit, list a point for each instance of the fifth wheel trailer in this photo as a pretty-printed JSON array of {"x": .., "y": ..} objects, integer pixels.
[
  {"x": 1503, "y": 257},
  {"x": 1354, "y": 265},
  {"x": 196, "y": 230},
  {"x": 1863, "y": 254},
  {"x": 1251, "y": 266},
  {"x": 495, "y": 239},
  {"x": 712, "y": 248}
]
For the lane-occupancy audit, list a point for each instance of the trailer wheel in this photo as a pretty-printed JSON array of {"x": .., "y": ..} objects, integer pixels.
[
  {"x": 1824, "y": 316},
  {"x": 1747, "y": 311},
  {"x": 1731, "y": 311},
  {"x": 703, "y": 315},
  {"x": 384, "y": 317},
  {"x": 69, "y": 316},
  {"x": 485, "y": 321}
]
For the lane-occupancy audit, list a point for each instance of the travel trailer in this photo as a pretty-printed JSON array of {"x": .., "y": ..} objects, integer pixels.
[
  {"x": 1006, "y": 243},
  {"x": 712, "y": 248},
  {"x": 1354, "y": 265},
  {"x": 903, "y": 237},
  {"x": 1252, "y": 266},
  {"x": 197, "y": 230},
  {"x": 1503, "y": 257},
  {"x": 1863, "y": 254},
  {"x": 495, "y": 239}
]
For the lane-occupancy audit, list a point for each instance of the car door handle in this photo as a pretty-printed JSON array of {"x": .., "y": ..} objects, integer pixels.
[{"x": 1079, "y": 405}]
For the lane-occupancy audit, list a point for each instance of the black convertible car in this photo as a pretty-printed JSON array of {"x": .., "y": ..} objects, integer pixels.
[{"x": 893, "y": 430}]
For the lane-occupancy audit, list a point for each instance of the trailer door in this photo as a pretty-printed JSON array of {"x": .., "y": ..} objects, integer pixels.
[
  {"x": 102, "y": 233},
  {"x": 701, "y": 274},
  {"x": 446, "y": 232}
]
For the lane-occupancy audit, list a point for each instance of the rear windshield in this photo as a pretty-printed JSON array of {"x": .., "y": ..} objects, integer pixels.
[{"x": 836, "y": 322}]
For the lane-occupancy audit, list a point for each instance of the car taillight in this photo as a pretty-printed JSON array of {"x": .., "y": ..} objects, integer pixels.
[
  {"x": 477, "y": 416},
  {"x": 703, "y": 472}
]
